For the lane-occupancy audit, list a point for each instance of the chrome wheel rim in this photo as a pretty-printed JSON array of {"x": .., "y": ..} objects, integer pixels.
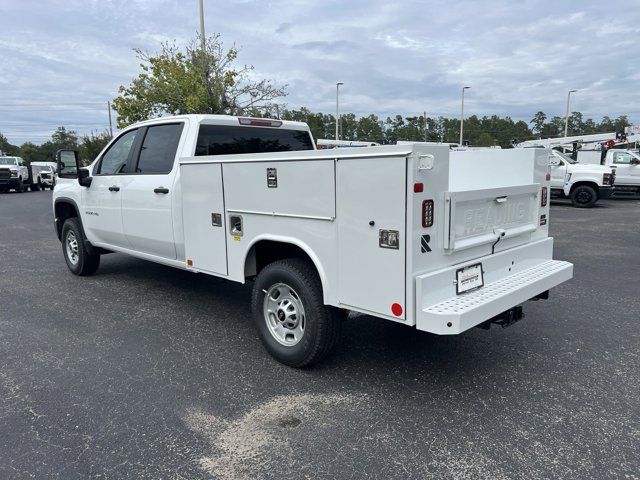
[
  {"x": 72, "y": 247},
  {"x": 284, "y": 314}
]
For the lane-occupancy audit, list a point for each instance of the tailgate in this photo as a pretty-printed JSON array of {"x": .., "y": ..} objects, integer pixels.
[{"x": 477, "y": 217}]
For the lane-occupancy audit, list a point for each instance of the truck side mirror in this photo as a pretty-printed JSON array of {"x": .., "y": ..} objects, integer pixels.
[
  {"x": 634, "y": 161},
  {"x": 68, "y": 163},
  {"x": 84, "y": 177}
]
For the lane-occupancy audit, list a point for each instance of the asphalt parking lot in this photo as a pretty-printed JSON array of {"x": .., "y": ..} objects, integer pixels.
[{"x": 143, "y": 371}]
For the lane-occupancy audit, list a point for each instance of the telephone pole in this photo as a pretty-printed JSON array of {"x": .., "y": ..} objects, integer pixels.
[
  {"x": 202, "y": 36},
  {"x": 110, "y": 124}
]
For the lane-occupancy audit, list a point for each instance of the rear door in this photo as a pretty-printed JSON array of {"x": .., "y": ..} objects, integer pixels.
[
  {"x": 370, "y": 211},
  {"x": 148, "y": 191}
]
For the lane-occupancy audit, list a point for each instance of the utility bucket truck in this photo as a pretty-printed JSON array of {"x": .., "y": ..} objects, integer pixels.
[{"x": 436, "y": 240}]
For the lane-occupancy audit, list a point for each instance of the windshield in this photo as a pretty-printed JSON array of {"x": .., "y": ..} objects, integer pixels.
[
  {"x": 565, "y": 157},
  {"x": 7, "y": 161}
]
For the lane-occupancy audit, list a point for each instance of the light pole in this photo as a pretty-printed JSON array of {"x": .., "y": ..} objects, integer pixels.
[
  {"x": 566, "y": 118},
  {"x": 202, "y": 37},
  {"x": 338, "y": 109},
  {"x": 462, "y": 114}
]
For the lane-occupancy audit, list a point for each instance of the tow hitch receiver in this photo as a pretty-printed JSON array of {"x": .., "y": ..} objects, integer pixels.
[{"x": 505, "y": 319}]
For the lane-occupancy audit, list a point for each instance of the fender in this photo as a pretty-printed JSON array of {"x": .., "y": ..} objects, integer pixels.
[
  {"x": 293, "y": 241},
  {"x": 58, "y": 224}
]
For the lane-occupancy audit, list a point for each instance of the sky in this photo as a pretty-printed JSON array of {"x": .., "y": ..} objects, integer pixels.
[{"x": 62, "y": 60}]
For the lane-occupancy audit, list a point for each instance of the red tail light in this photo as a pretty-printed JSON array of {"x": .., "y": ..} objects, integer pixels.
[
  {"x": 543, "y": 197},
  {"x": 427, "y": 213},
  {"x": 259, "y": 122}
]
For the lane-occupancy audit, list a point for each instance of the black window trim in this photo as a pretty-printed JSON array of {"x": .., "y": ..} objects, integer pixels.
[
  {"x": 204, "y": 123},
  {"x": 132, "y": 162},
  {"x": 98, "y": 166}
]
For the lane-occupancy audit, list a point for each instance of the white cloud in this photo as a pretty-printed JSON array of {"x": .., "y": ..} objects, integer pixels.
[{"x": 69, "y": 57}]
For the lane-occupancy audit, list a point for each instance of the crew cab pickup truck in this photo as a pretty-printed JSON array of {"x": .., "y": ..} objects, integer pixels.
[
  {"x": 584, "y": 184},
  {"x": 436, "y": 240},
  {"x": 14, "y": 174}
]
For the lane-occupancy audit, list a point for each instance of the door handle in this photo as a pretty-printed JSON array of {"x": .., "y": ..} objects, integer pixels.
[
  {"x": 161, "y": 190},
  {"x": 113, "y": 188}
]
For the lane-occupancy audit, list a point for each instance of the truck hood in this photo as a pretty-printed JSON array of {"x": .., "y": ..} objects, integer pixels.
[{"x": 588, "y": 168}]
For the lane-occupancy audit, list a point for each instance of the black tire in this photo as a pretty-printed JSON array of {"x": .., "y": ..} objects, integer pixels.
[
  {"x": 35, "y": 187},
  {"x": 85, "y": 263},
  {"x": 51, "y": 187},
  {"x": 322, "y": 324},
  {"x": 584, "y": 196},
  {"x": 20, "y": 186}
]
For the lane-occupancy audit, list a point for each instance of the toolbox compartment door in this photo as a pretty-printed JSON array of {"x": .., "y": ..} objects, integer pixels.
[
  {"x": 477, "y": 217},
  {"x": 371, "y": 200},
  {"x": 203, "y": 215}
]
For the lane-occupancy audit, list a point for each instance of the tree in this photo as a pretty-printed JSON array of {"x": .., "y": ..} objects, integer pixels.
[
  {"x": 93, "y": 144},
  {"x": 485, "y": 140},
  {"x": 5, "y": 147},
  {"x": 190, "y": 80},
  {"x": 538, "y": 122}
]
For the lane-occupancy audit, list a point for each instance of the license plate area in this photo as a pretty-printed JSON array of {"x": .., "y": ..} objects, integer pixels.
[{"x": 469, "y": 278}]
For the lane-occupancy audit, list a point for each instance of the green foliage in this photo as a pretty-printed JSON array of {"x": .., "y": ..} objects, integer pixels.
[
  {"x": 190, "y": 80},
  {"x": 7, "y": 148},
  {"x": 92, "y": 145}
]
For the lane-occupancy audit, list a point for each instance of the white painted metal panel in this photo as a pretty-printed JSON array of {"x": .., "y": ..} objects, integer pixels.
[
  {"x": 371, "y": 278},
  {"x": 203, "y": 197},
  {"x": 304, "y": 188},
  {"x": 477, "y": 217}
]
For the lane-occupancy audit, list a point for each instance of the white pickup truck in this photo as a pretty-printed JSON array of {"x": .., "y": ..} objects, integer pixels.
[
  {"x": 436, "y": 240},
  {"x": 626, "y": 165},
  {"x": 584, "y": 184}
]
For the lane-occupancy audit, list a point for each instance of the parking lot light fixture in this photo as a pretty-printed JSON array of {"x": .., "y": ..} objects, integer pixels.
[
  {"x": 566, "y": 118},
  {"x": 338, "y": 109},
  {"x": 462, "y": 114}
]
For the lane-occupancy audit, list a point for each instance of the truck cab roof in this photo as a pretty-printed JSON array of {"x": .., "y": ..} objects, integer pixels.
[{"x": 230, "y": 120}]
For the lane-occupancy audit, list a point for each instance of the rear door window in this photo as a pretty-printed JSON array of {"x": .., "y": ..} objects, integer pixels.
[
  {"x": 159, "y": 147},
  {"x": 229, "y": 139}
]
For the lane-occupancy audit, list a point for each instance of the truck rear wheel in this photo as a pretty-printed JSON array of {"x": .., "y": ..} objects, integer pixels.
[
  {"x": 583, "y": 196},
  {"x": 78, "y": 259},
  {"x": 288, "y": 309}
]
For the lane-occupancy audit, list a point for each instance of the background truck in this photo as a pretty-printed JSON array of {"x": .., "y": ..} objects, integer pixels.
[
  {"x": 43, "y": 174},
  {"x": 626, "y": 165},
  {"x": 436, "y": 240},
  {"x": 583, "y": 184},
  {"x": 16, "y": 174}
]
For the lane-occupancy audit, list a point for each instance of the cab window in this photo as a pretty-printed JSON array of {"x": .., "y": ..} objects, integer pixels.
[
  {"x": 114, "y": 161},
  {"x": 622, "y": 158}
]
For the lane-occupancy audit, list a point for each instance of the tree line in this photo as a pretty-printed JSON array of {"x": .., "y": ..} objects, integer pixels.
[
  {"x": 479, "y": 131},
  {"x": 88, "y": 146},
  {"x": 206, "y": 80}
]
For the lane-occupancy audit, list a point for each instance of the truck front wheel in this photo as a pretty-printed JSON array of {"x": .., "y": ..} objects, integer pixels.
[
  {"x": 583, "y": 196},
  {"x": 288, "y": 309},
  {"x": 20, "y": 186},
  {"x": 78, "y": 259}
]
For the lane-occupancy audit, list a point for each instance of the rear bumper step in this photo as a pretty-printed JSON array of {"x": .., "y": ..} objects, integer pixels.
[{"x": 462, "y": 312}]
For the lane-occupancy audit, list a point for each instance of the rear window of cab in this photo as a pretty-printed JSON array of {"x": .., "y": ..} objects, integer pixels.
[{"x": 229, "y": 140}]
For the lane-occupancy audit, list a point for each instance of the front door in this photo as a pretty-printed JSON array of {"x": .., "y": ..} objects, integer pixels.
[
  {"x": 558, "y": 174},
  {"x": 626, "y": 172},
  {"x": 102, "y": 200},
  {"x": 148, "y": 192}
]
